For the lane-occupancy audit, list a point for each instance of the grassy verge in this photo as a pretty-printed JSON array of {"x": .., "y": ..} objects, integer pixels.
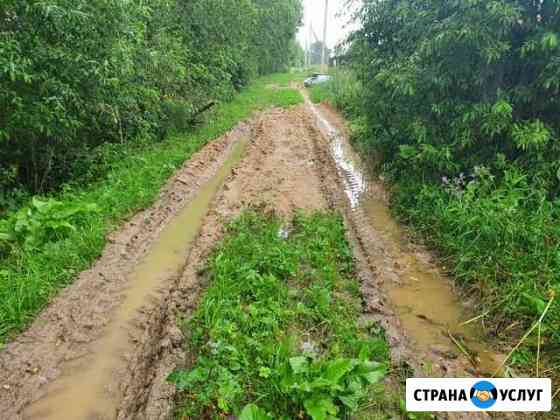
[
  {"x": 44, "y": 245},
  {"x": 500, "y": 241},
  {"x": 277, "y": 334}
]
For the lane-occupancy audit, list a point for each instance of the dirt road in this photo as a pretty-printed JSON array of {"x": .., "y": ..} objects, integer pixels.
[{"x": 105, "y": 346}]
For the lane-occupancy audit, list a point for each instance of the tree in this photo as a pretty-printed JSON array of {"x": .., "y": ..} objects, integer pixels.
[
  {"x": 76, "y": 75},
  {"x": 316, "y": 53}
]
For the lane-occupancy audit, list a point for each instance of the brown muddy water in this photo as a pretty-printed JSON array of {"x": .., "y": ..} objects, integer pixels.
[
  {"x": 81, "y": 393},
  {"x": 423, "y": 299}
]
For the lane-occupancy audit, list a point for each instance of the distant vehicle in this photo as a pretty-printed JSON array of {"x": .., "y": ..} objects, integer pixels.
[{"x": 316, "y": 79}]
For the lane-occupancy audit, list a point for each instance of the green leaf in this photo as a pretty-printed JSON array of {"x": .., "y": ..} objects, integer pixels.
[
  {"x": 407, "y": 151},
  {"x": 338, "y": 368},
  {"x": 550, "y": 41},
  {"x": 264, "y": 372},
  {"x": 351, "y": 401},
  {"x": 252, "y": 412},
  {"x": 184, "y": 379},
  {"x": 5, "y": 237},
  {"x": 320, "y": 408},
  {"x": 372, "y": 372},
  {"x": 374, "y": 376},
  {"x": 299, "y": 364},
  {"x": 40, "y": 205},
  {"x": 535, "y": 302}
]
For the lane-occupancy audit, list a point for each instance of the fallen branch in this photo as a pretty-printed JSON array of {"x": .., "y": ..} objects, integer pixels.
[
  {"x": 462, "y": 348},
  {"x": 201, "y": 110}
]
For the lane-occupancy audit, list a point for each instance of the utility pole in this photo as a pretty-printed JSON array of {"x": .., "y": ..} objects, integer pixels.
[
  {"x": 309, "y": 43},
  {"x": 324, "y": 64}
]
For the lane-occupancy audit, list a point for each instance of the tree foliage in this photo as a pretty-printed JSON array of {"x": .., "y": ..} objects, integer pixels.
[
  {"x": 76, "y": 75},
  {"x": 455, "y": 84},
  {"x": 316, "y": 53}
]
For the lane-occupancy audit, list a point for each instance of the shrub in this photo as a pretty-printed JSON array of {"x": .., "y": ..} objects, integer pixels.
[{"x": 458, "y": 108}]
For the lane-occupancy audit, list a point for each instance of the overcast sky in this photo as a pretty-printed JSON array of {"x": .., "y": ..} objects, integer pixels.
[{"x": 314, "y": 14}]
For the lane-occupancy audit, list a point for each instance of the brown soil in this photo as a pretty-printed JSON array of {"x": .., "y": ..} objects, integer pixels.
[{"x": 287, "y": 166}]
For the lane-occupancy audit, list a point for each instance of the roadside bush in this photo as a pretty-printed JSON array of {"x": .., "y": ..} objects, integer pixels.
[
  {"x": 132, "y": 178},
  {"x": 41, "y": 222},
  {"x": 342, "y": 91},
  {"x": 448, "y": 87},
  {"x": 458, "y": 110},
  {"x": 501, "y": 240}
]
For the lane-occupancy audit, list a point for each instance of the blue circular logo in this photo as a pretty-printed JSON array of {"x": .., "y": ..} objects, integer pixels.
[{"x": 484, "y": 394}]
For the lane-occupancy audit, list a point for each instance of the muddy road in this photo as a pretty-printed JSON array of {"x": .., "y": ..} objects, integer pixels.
[{"x": 104, "y": 347}]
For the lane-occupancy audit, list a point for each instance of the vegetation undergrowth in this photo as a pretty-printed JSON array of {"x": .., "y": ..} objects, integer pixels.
[
  {"x": 498, "y": 236},
  {"x": 458, "y": 109},
  {"x": 46, "y": 243},
  {"x": 276, "y": 334}
]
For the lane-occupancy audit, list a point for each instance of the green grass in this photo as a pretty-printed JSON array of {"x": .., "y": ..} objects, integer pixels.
[
  {"x": 288, "y": 97},
  {"x": 276, "y": 334},
  {"x": 31, "y": 273},
  {"x": 500, "y": 241}
]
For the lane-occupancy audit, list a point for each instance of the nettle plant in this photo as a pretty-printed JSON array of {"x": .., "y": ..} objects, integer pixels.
[{"x": 321, "y": 385}]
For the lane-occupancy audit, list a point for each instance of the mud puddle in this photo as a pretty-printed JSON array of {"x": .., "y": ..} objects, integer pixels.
[
  {"x": 422, "y": 299},
  {"x": 81, "y": 391}
]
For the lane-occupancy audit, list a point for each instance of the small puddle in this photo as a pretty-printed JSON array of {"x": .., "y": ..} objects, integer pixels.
[
  {"x": 423, "y": 298},
  {"x": 425, "y": 301},
  {"x": 81, "y": 392}
]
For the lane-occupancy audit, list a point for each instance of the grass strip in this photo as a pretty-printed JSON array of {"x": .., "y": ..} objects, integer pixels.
[
  {"x": 36, "y": 268},
  {"x": 276, "y": 334}
]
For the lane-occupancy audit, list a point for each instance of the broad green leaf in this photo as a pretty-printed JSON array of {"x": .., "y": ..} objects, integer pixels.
[
  {"x": 407, "y": 151},
  {"x": 338, "y": 368},
  {"x": 535, "y": 302},
  {"x": 350, "y": 400},
  {"x": 299, "y": 364},
  {"x": 253, "y": 412},
  {"x": 320, "y": 408},
  {"x": 6, "y": 237}
]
